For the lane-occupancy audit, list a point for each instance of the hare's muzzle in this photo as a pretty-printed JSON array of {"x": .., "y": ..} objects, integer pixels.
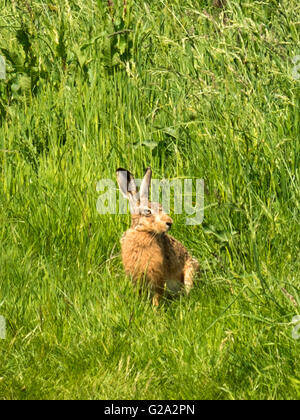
[{"x": 169, "y": 225}]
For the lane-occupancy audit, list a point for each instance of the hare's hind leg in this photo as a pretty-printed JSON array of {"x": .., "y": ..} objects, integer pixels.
[{"x": 191, "y": 267}]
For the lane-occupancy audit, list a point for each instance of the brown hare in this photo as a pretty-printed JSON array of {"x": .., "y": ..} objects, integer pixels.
[{"x": 149, "y": 253}]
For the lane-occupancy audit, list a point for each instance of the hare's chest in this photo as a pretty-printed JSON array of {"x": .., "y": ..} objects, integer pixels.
[{"x": 138, "y": 254}]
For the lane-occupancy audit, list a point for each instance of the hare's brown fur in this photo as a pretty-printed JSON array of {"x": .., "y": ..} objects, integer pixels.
[{"x": 150, "y": 254}]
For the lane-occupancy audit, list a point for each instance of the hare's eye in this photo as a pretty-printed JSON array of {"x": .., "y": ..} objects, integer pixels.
[{"x": 146, "y": 212}]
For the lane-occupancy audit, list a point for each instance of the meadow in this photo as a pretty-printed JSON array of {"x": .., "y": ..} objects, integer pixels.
[{"x": 195, "y": 89}]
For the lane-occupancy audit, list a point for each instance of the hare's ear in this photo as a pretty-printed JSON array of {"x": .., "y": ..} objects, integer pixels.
[
  {"x": 127, "y": 186},
  {"x": 145, "y": 186}
]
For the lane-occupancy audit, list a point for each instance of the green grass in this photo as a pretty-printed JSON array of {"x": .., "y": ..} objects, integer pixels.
[{"x": 195, "y": 92}]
